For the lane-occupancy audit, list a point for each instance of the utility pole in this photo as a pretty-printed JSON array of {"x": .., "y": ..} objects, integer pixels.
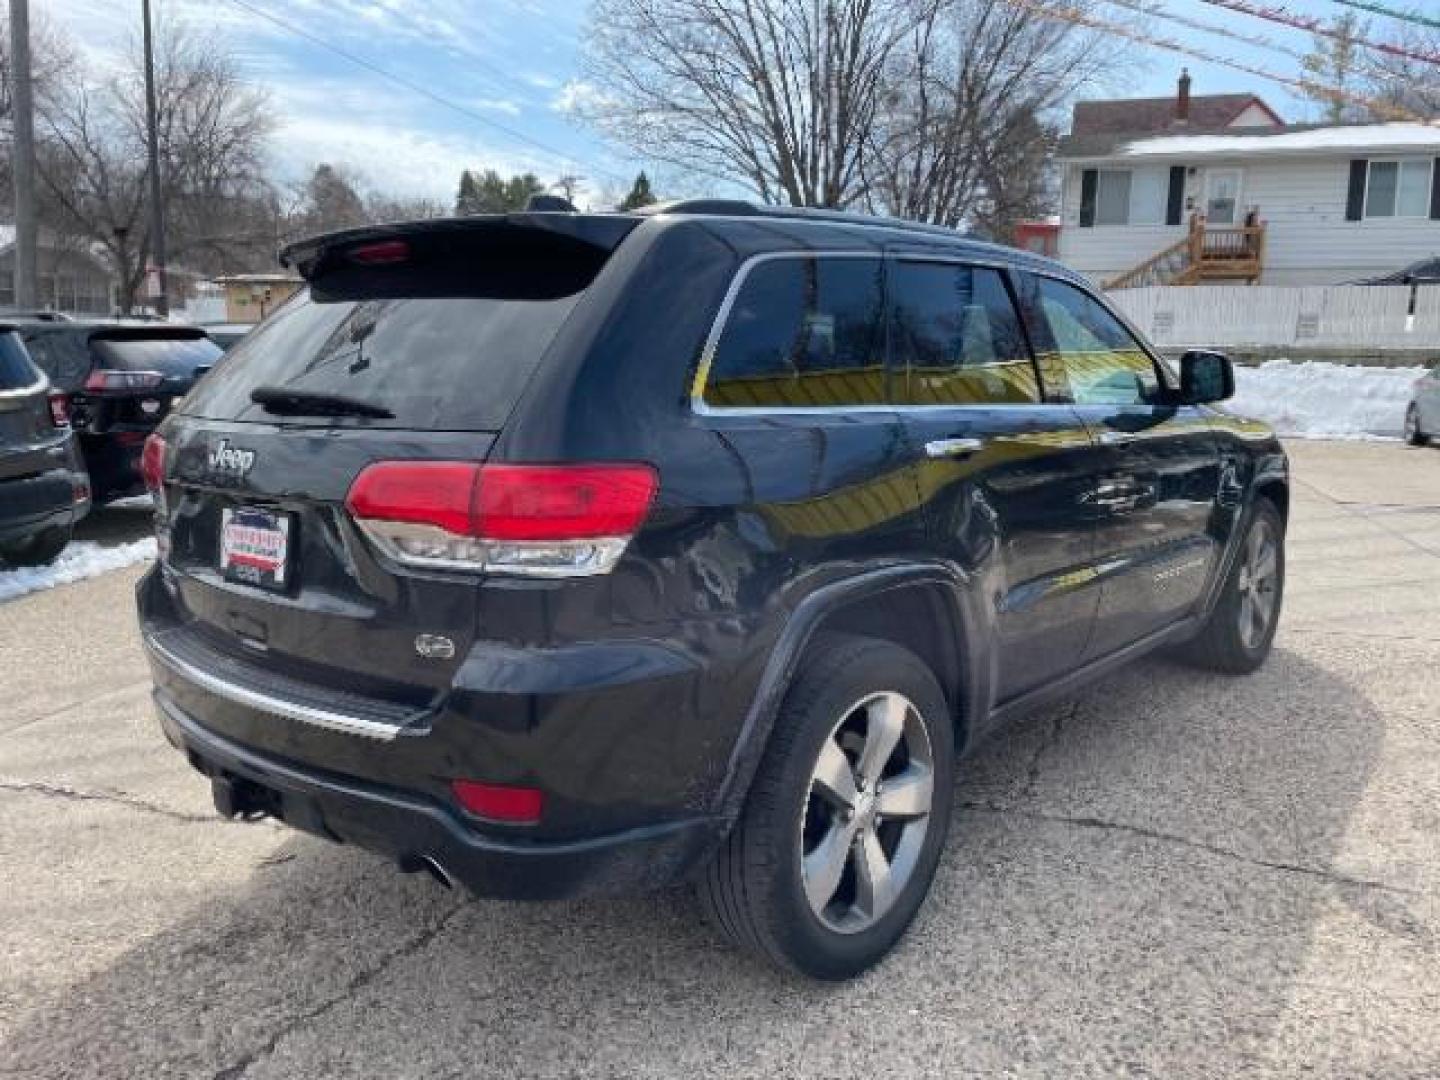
[
  {"x": 157, "y": 211},
  {"x": 27, "y": 227}
]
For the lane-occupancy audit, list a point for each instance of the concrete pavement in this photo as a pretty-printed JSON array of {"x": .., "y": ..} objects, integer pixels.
[{"x": 1173, "y": 874}]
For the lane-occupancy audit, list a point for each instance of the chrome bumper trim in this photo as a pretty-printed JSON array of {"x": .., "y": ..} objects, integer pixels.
[{"x": 305, "y": 714}]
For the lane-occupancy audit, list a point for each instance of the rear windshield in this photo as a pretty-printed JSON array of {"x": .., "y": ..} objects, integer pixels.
[
  {"x": 64, "y": 355},
  {"x": 16, "y": 371},
  {"x": 436, "y": 363},
  {"x": 169, "y": 356}
]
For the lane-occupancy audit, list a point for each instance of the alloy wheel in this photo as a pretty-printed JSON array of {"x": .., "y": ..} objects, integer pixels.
[
  {"x": 866, "y": 812},
  {"x": 1258, "y": 584}
]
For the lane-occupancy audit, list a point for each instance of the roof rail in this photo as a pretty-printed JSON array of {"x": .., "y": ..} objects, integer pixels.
[{"x": 741, "y": 208}]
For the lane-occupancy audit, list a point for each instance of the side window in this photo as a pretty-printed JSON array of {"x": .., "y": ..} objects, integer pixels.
[
  {"x": 803, "y": 332},
  {"x": 16, "y": 370},
  {"x": 955, "y": 338},
  {"x": 1101, "y": 361}
]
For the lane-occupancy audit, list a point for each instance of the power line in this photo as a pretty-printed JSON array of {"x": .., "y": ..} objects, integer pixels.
[
  {"x": 400, "y": 80},
  {"x": 1208, "y": 28},
  {"x": 1315, "y": 26},
  {"x": 1305, "y": 86},
  {"x": 455, "y": 106},
  {"x": 1392, "y": 13}
]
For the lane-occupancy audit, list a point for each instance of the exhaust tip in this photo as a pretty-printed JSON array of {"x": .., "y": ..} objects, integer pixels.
[{"x": 414, "y": 864}]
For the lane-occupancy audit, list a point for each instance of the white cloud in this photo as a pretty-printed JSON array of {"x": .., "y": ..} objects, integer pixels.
[
  {"x": 489, "y": 57},
  {"x": 576, "y": 96},
  {"x": 397, "y": 160},
  {"x": 497, "y": 105}
]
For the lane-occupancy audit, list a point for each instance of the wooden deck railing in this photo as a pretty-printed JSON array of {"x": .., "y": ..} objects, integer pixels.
[{"x": 1213, "y": 252}]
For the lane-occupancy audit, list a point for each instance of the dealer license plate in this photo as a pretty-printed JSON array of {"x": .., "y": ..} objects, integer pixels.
[{"x": 255, "y": 547}]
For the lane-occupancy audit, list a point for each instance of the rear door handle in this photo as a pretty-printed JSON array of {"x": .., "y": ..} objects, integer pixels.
[{"x": 949, "y": 448}]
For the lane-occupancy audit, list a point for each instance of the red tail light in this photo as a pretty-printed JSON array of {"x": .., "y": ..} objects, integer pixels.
[
  {"x": 102, "y": 380},
  {"x": 499, "y": 802},
  {"x": 381, "y": 253},
  {"x": 566, "y": 502},
  {"x": 59, "y": 409},
  {"x": 152, "y": 463},
  {"x": 539, "y": 520}
]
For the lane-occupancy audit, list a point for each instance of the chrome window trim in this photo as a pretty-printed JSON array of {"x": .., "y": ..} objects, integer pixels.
[
  {"x": 305, "y": 714},
  {"x": 700, "y": 407},
  {"x": 42, "y": 383}
]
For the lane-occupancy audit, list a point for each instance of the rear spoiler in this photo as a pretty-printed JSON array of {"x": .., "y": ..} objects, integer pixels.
[{"x": 591, "y": 237}]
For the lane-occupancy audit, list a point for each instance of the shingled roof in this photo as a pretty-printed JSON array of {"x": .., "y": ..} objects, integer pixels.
[{"x": 1156, "y": 116}]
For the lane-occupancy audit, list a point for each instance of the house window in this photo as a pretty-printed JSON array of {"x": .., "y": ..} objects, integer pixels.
[
  {"x": 1112, "y": 197},
  {"x": 1131, "y": 196},
  {"x": 1398, "y": 189}
]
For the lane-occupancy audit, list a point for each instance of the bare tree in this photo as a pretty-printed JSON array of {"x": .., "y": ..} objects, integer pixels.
[
  {"x": 1404, "y": 83},
  {"x": 569, "y": 186},
  {"x": 778, "y": 95},
  {"x": 212, "y": 132},
  {"x": 962, "y": 134},
  {"x": 52, "y": 63}
]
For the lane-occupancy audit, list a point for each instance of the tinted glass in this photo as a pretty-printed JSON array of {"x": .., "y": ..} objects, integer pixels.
[
  {"x": 803, "y": 332},
  {"x": 1102, "y": 363},
  {"x": 169, "y": 356},
  {"x": 16, "y": 370},
  {"x": 64, "y": 355},
  {"x": 455, "y": 364},
  {"x": 956, "y": 337}
]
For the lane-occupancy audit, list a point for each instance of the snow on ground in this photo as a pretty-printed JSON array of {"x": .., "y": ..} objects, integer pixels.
[
  {"x": 1322, "y": 400},
  {"x": 85, "y": 559}
]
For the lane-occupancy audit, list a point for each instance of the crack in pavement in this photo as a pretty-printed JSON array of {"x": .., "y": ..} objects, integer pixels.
[
  {"x": 118, "y": 798},
  {"x": 1418, "y": 638},
  {"x": 1062, "y": 717},
  {"x": 1357, "y": 511},
  {"x": 61, "y": 710},
  {"x": 1331, "y": 876},
  {"x": 357, "y": 983}
]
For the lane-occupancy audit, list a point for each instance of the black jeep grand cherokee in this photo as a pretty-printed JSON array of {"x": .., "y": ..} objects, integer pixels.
[{"x": 556, "y": 553}]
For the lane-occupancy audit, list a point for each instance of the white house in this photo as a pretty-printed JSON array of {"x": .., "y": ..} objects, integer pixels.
[
  {"x": 71, "y": 279},
  {"x": 1191, "y": 190}
]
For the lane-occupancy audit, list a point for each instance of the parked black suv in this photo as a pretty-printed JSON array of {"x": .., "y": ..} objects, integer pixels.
[
  {"x": 43, "y": 487},
  {"x": 557, "y": 553},
  {"x": 119, "y": 379}
]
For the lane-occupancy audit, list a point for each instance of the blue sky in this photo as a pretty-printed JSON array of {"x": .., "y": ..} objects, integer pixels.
[{"x": 516, "y": 64}]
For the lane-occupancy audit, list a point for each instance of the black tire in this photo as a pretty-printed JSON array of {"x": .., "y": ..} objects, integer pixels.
[
  {"x": 755, "y": 890},
  {"x": 1222, "y": 645},
  {"x": 39, "y": 550},
  {"x": 1413, "y": 435}
]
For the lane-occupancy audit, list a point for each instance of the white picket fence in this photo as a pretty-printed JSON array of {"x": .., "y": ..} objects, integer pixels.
[{"x": 1372, "y": 317}]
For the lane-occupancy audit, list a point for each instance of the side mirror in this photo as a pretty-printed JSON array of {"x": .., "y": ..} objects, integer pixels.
[{"x": 1206, "y": 376}]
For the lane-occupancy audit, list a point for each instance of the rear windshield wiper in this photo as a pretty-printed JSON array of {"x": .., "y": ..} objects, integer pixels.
[{"x": 287, "y": 401}]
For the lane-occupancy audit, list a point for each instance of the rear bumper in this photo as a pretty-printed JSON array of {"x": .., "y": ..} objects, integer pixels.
[
  {"x": 113, "y": 460},
  {"x": 41, "y": 502},
  {"x": 415, "y": 830}
]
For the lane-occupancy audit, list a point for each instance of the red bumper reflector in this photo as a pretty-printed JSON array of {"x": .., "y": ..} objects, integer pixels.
[
  {"x": 152, "y": 463},
  {"x": 500, "y": 802},
  {"x": 59, "y": 409}
]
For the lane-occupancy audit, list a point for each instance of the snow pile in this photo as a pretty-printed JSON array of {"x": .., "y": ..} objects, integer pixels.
[
  {"x": 77, "y": 562},
  {"x": 1323, "y": 400}
]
